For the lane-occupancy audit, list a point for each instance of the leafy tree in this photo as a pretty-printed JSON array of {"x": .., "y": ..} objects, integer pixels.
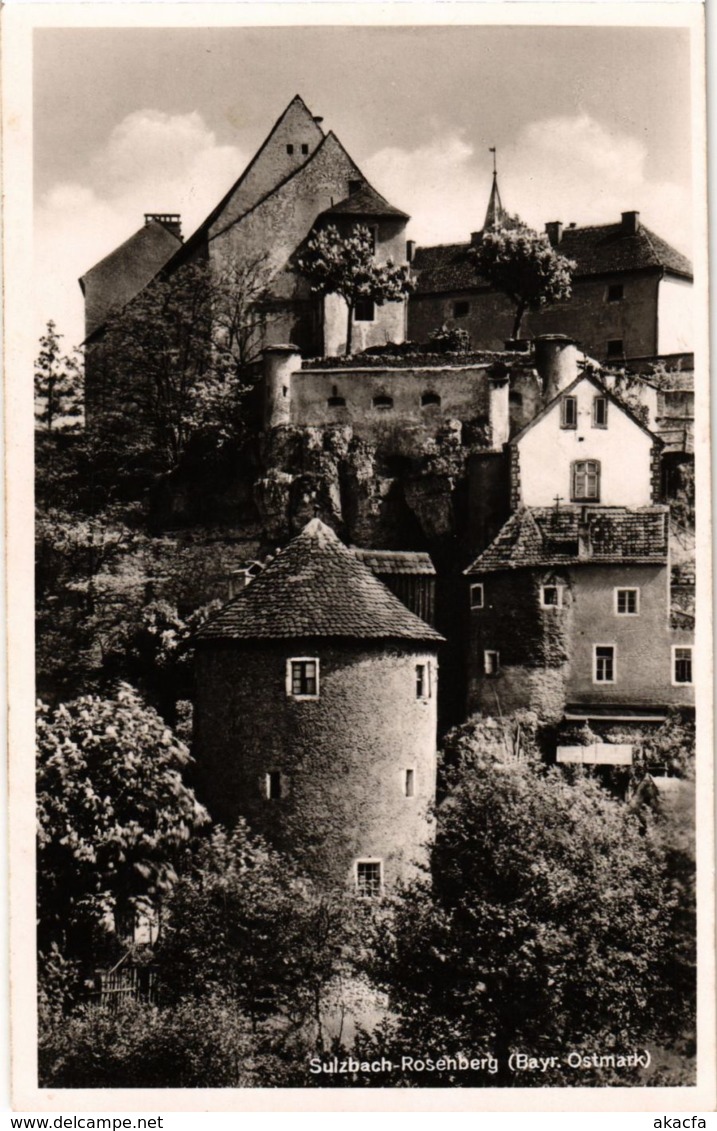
[
  {"x": 346, "y": 266},
  {"x": 244, "y": 922},
  {"x": 172, "y": 367},
  {"x": 58, "y": 385},
  {"x": 524, "y": 266},
  {"x": 547, "y": 928},
  {"x": 114, "y": 815}
]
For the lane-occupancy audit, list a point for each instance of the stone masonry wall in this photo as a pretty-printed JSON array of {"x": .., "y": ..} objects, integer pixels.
[{"x": 343, "y": 756}]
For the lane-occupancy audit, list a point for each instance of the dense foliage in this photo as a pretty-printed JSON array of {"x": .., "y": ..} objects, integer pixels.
[
  {"x": 523, "y": 265},
  {"x": 548, "y": 927},
  {"x": 346, "y": 265},
  {"x": 114, "y": 816},
  {"x": 58, "y": 385}
]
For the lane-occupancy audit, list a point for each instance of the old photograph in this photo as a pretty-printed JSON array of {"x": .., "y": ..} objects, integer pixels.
[{"x": 366, "y": 543}]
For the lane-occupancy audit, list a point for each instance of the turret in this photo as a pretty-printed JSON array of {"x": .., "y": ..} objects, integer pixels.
[{"x": 280, "y": 364}]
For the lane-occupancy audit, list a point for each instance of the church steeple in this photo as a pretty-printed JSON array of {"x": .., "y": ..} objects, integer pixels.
[{"x": 496, "y": 216}]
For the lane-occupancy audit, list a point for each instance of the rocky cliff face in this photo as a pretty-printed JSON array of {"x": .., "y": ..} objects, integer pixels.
[{"x": 402, "y": 490}]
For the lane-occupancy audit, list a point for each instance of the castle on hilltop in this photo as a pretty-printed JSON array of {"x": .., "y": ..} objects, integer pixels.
[{"x": 502, "y": 512}]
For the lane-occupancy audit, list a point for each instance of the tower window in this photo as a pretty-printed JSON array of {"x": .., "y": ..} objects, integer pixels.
[
  {"x": 364, "y": 310},
  {"x": 586, "y": 481},
  {"x": 304, "y": 149},
  {"x": 423, "y": 681},
  {"x": 491, "y": 663},
  {"x": 461, "y": 309},
  {"x": 600, "y": 412},
  {"x": 604, "y": 670},
  {"x": 627, "y": 602},
  {"x": 274, "y": 785},
  {"x": 569, "y": 412},
  {"x": 477, "y": 595},
  {"x": 369, "y": 879},
  {"x": 615, "y": 348},
  {"x": 290, "y": 149},
  {"x": 302, "y": 678},
  {"x": 551, "y": 596},
  {"x": 409, "y": 784},
  {"x": 682, "y": 665},
  {"x": 615, "y": 292}
]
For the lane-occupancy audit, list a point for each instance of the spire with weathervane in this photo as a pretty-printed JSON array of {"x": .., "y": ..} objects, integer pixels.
[{"x": 496, "y": 216}]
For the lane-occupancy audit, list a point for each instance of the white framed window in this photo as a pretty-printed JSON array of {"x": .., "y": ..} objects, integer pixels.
[
  {"x": 600, "y": 412},
  {"x": 627, "y": 602},
  {"x": 681, "y": 664},
  {"x": 491, "y": 662},
  {"x": 586, "y": 481},
  {"x": 477, "y": 595},
  {"x": 274, "y": 785},
  {"x": 423, "y": 681},
  {"x": 604, "y": 663},
  {"x": 409, "y": 782},
  {"x": 551, "y": 596},
  {"x": 369, "y": 877},
  {"x": 569, "y": 412},
  {"x": 302, "y": 677}
]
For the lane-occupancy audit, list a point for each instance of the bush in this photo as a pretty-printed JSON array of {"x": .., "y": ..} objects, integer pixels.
[{"x": 449, "y": 340}]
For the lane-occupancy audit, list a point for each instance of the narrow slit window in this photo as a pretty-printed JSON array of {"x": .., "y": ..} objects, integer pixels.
[
  {"x": 491, "y": 662},
  {"x": 274, "y": 785},
  {"x": 569, "y": 412},
  {"x": 423, "y": 681},
  {"x": 368, "y": 878},
  {"x": 600, "y": 412},
  {"x": 409, "y": 784},
  {"x": 477, "y": 595}
]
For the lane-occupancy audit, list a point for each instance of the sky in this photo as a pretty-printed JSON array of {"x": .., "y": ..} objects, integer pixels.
[{"x": 587, "y": 123}]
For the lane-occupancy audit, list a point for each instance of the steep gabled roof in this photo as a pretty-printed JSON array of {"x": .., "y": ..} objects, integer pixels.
[
  {"x": 365, "y": 202},
  {"x": 586, "y": 375},
  {"x": 599, "y": 250},
  {"x": 317, "y": 587},
  {"x": 550, "y": 536}
]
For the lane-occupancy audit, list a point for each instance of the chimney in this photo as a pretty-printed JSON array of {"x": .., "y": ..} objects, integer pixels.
[
  {"x": 585, "y": 549},
  {"x": 499, "y": 405},
  {"x": 554, "y": 229},
  {"x": 630, "y": 223},
  {"x": 410, "y": 250},
  {"x": 476, "y": 238},
  {"x": 556, "y": 359},
  {"x": 172, "y": 221}
]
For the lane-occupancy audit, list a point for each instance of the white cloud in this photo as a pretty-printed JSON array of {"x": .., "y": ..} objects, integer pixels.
[
  {"x": 151, "y": 162},
  {"x": 563, "y": 168}
]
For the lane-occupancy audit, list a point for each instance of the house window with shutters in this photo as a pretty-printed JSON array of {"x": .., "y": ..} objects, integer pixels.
[
  {"x": 586, "y": 481},
  {"x": 302, "y": 677}
]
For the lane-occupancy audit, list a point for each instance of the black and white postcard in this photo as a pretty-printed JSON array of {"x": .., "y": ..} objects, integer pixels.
[{"x": 357, "y": 403}]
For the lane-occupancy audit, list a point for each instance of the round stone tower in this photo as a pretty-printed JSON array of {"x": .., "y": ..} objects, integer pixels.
[{"x": 316, "y": 715}]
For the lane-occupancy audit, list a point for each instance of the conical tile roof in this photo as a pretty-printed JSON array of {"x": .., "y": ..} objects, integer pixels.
[{"x": 316, "y": 586}]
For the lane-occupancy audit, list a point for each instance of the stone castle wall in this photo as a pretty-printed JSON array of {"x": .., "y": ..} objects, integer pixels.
[{"x": 343, "y": 756}]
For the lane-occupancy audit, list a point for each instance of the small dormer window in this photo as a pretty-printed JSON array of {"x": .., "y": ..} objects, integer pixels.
[
  {"x": 600, "y": 412},
  {"x": 569, "y": 412}
]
